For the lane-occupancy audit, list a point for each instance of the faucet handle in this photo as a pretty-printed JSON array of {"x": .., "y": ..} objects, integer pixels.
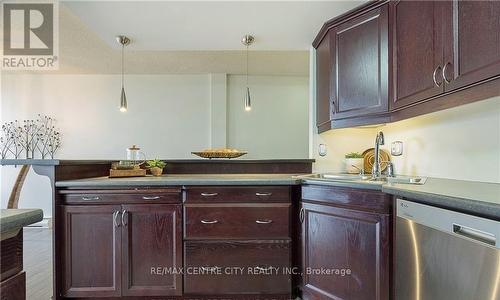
[
  {"x": 361, "y": 170},
  {"x": 390, "y": 168}
]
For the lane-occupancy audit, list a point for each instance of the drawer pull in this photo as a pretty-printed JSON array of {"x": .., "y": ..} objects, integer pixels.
[
  {"x": 151, "y": 197},
  {"x": 263, "y": 194},
  {"x": 87, "y": 198},
  {"x": 209, "y": 222},
  {"x": 263, "y": 221},
  {"x": 115, "y": 216},
  {"x": 209, "y": 194},
  {"x": 124, "y": 213}
]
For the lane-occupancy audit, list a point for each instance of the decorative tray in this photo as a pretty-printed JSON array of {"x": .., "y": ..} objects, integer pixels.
[{"x": 219, "y": 153}]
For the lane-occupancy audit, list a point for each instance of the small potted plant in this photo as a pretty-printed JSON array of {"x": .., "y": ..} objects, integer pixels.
[
  {"x": 155, "y": 166},
  {"x": 354, "y": 162}
]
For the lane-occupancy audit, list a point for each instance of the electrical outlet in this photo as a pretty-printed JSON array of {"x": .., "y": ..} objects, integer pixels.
[
  {"x": 322, "y": 150},
  {"x": 396, "y": 148}
]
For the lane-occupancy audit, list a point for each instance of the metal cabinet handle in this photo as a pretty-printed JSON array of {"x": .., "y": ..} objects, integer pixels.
[
  {"x": 263, "y": 194},
  {"x": 209, "y": 194},
  {"x": 434, "y": 76},
  {"x": 115, "y": 217},
  {"x": 444, "y": 72},
  {"x": 124, "y": 212},
  {"x": 301, "y": 215},
  {"x": 151, "y": 197},
  {"x": 87, "y": 198},
  {"x": 263, "y": 221},
  {"x": 209, "y": 222}
]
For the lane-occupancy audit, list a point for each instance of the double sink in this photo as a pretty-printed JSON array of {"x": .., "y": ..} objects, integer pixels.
[{"x": 339, "y": 177}]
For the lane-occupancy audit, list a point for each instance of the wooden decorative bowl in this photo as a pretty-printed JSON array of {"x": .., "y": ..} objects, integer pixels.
[
  {"x": 369, "y": 158},
  {"x": 219, "y": 154}
]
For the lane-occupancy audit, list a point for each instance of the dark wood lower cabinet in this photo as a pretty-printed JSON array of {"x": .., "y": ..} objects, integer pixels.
[
  {"x": 231, "y": 250},
  {"x": 12, "y": 277},
  {"x": 14, "y": 288},
  {"x": 115, "y": 250},
  {"x": 346, "y": 251},
  {"x": 237, "y": 267},
  {"x": 151, "y": 242},
  {"x": 91, "y": 251}
]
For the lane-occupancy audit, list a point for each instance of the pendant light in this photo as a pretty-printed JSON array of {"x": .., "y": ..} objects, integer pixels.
[
  {"x": 247, "y": 40},
  {"x": 123, "y": 41}
]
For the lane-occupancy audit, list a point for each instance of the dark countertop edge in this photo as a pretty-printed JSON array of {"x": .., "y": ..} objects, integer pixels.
[
  {"x": 477, "y": 207},
  {"x": 28, "y": 218},
  {"x": 241, "y": 182},
  {"x": 56, "y": 162}
]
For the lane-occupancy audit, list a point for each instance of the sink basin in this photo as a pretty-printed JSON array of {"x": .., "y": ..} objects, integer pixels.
[
  {"x": 337, "y": 177},
  {"x": 407, "y": 180},
  {"x": 345, "y": 176},
  {"x": 364, "y": 178}
]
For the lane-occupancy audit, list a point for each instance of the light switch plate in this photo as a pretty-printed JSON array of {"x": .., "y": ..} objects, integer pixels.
[{"x": 396, "y": 148}]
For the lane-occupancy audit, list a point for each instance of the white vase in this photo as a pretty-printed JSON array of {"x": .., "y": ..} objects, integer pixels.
[{"x": 353, "y": 165}]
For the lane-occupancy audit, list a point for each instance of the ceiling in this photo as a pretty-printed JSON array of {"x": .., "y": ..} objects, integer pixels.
[{"x": 208, "y": 25}]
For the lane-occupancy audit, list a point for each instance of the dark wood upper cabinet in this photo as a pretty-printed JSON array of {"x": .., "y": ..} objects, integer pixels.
[
  {"x": 360, "y": 65},
  {"x": 324, "y": 104},
  {"x": 472, "y": 51},
  {"x": 417, "y": 51},
  {"x": 152, "y": 240},
  {"x": 91, "y": 251},
  {"x": 424, "y": 56}
]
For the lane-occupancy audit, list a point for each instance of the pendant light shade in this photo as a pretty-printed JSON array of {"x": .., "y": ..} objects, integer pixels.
[
  {"x": 123, "y": 101},
  {"x": 248, "y": 100},
  {"x": 247, "y": 40},
  {"x": 123, "y": 41}
]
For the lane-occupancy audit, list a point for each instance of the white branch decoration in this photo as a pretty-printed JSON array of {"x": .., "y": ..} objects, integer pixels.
[{"x": 32, "y": 137}]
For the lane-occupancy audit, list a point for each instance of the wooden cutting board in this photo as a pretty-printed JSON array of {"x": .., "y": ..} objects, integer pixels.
[{"x": 127, "y": 173}]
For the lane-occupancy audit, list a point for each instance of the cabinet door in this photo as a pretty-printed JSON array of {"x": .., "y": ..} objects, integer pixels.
[
  {"x": 323, "y": 86},
  {"x": 472, "y": 42},
  {"x": 152, "y": 250},
  {"x": 360, "y": 65},
  {"x": 417, "y": 51},
  {"x": 91, "y": 251},
  {"x": 336, "y": 241}
]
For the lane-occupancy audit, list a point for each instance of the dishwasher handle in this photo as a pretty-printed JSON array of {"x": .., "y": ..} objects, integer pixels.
[{"x": 475, "y": 234}]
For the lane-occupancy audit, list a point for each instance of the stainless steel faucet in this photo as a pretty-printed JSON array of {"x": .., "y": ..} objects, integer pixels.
[{"x": 379, "y": 140}]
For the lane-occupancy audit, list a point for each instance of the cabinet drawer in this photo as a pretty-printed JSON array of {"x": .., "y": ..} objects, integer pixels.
[
  {"x": 237, "y": 221},
  {"x": 212, "y": 194},
  {"x": 146, "y": 196},
  {"x": 350, "y": 198},
  {"x": 237, "y": 267}
]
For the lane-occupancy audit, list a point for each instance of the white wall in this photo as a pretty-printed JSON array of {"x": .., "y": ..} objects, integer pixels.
[
  {"x": 277, "y": 125},
  {"x": 169, "y": 116},
  {"x": 458, "y": 143}
]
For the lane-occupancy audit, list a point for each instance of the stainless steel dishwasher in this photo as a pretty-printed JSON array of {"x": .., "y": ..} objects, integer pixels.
[{"x": 445, "y": 255}]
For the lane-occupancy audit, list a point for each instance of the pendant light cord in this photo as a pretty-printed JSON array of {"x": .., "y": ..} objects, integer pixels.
[
  {"x": 247, "y": 67},
  {"x": 123, "y": 67}
]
